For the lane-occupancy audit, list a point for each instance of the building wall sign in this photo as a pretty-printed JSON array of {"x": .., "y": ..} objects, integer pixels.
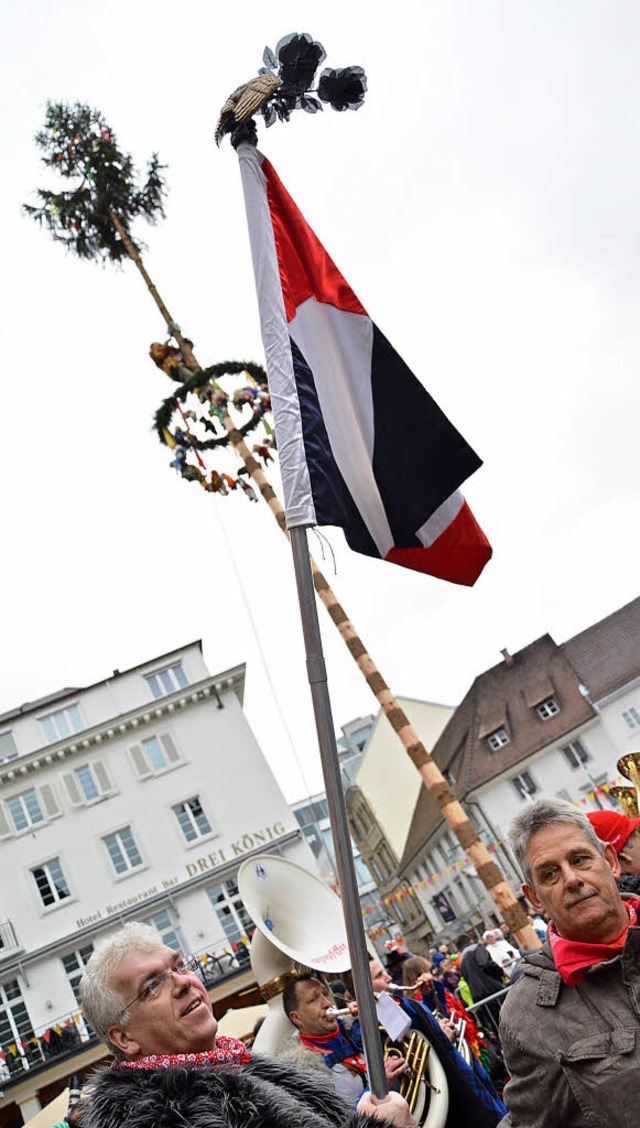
[{"x": 234, "y": 849}]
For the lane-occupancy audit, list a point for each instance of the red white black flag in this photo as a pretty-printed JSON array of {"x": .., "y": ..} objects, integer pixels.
[{"x": 362, "y": 444}]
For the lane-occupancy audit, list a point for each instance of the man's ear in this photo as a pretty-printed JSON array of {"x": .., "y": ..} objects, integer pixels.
[
  {"x": 613, "y": 859},
  {"x": 120, "y": 1037},
  {"x": 295, "y": 1019},
  {"x": 530, "y": 894}
]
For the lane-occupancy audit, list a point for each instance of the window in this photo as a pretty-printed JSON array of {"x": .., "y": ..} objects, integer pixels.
[
  {"x": 192, "y": 819},
  {"x": 162, "y": 923},
  {"x": 525, "y": 785},
  {"x": 15, "y": 1024},
  {"x": 25, "y": 810},
  {"x": 88, "y": 784},
  {"x": 50, "y": 882},
  {"x": 498, "y": 739},
  {"x": 74, "y": 964},
  {"x": 230, "y": 911},
  {"x": 312, "y": 813},
  {"x": 123, "y": 851},
  {"x": 167, "y": 681},
  {"x": 155, "y": 754},
  {"x": 64, "y": 723},
  {"x": 8, "y": 750},
  {"x": 547, "y": 708},
  {"x": 363, "y": 874},
  {"x": 28, "y": 810},
  {"x": 631, "y": 717},
  {"x": 575, "y": 754}
]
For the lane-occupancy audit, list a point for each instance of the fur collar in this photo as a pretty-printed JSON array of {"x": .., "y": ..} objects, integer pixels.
[{"x": 263, "y": 1093}]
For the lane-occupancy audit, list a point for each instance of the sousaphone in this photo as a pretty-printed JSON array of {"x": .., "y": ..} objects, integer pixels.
[{"x": 300, "y": 925}]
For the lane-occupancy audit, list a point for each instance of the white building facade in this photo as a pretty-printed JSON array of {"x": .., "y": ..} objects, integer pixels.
[{"x": 135, "y": 798}]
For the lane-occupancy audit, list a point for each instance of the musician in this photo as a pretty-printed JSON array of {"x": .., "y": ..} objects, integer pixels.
[
  {"x": 324, "y": 1043},
  {"x": 569, "y": 1026},
  {"x": 472, "y": 1100},
  {"x": 170, "y": 1069},
  {"x": 472, "y": 1097}
]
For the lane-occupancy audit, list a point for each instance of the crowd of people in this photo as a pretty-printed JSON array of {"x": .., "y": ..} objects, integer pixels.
[{"x": 568, "y": 1013}]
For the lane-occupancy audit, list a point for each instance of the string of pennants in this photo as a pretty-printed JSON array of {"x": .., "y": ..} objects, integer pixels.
[
  {"x": 36, "y": 1040},
  {"x": 439, "y": 875}
]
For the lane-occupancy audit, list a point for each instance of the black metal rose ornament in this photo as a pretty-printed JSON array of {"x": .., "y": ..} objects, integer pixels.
[{"x": 285, "y": 83}]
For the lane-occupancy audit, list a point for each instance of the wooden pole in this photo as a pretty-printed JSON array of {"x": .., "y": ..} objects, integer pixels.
[{"x": 452, "y": 811}]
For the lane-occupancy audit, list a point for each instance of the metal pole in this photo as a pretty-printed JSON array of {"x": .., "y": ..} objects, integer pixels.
[{"x": 317, "y": 675}]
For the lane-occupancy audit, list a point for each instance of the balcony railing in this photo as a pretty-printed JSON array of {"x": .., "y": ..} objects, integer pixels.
[
  {"x": 224, "y": 959},
  {"x": 66, "y": 1036}
]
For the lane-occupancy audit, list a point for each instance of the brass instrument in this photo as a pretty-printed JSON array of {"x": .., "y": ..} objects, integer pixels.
[
  {"x": 414, "y": 1048},
  {"x": 629, "y": 797}
]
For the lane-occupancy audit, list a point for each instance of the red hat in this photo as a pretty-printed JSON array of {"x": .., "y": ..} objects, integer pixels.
[{"x": 611, "y": 826}]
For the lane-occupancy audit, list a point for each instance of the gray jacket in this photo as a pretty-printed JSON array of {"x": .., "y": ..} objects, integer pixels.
[{"x": 573, "y": 1052}]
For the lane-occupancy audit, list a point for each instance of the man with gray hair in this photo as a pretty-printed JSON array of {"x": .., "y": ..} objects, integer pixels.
[
  {"x": 153, "y": 1010},
  {"x": 570, "y": 1024}
]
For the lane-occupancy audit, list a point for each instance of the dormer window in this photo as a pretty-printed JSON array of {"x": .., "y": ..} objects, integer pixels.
[
  {"x": 169, "y": 680},
  {"x": 498, "y": 739},
  {"x": 547, "y": 708}
]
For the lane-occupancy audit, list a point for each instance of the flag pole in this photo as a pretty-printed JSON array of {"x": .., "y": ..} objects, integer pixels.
[{"x": 317, "y": 677}]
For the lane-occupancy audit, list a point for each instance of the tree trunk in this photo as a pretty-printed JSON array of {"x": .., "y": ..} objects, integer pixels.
[{"x": 487, "y": 869}]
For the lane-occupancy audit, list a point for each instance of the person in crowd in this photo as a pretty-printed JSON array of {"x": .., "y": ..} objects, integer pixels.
[
  {"x": 539, "y": 925},
  {"x": 441, "y": 954},
  {"x": 501, "y": 952},
  {"x": 482, "y": 974},
  {"x": 569, "y": 1026},
  {"x": 450, "y": 977},
  {"x": 624, "y": 835},
  {"x": 505, "y": 930},
  {"x": 428, "y": 989},
  {"x": 155, "y": 1015}
]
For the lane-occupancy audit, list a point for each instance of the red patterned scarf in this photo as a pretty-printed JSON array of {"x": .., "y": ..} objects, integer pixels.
[
  {"x": 227, "y": 1051},
  {"x": 573, "y": 957}
]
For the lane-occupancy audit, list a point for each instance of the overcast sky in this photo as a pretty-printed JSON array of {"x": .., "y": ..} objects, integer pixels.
[{"x": 483, "y": 205}]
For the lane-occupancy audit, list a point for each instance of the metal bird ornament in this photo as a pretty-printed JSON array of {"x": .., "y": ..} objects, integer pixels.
[{"x": 285, "y": 83}]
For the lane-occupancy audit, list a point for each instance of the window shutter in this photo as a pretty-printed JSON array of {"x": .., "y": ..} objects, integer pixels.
[
  {"x": 172, "y": 754},
  {"x": 102, "y": 776},
  {"x": 76, "y": 797},
  {"x": 139, "y": 761},
  {"x": 49, "y": 801},
  {"x": 6, "y": 829}
]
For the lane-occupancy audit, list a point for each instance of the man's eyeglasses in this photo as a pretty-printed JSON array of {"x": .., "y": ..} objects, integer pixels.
[{"x": 153, "y": 988}]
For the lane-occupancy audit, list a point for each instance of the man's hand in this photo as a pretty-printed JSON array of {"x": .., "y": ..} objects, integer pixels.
[
  {"x": 426, "y": 980},
  {"x": 394, "y": 1067},
  {"x": 393, "y": 1109},
  {"x": 448, "y": 1028}
]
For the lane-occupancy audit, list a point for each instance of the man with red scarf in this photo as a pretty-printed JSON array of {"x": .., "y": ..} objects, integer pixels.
[
  {"x": 570, "y": 1024},
  {"x": 170, "y": 1068}
]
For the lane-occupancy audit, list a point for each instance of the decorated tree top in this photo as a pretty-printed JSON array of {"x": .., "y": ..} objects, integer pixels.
[{"x": 104, "y": 188}]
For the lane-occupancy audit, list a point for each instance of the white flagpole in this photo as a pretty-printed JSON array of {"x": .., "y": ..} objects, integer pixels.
[{"x": 317, "y": 675}]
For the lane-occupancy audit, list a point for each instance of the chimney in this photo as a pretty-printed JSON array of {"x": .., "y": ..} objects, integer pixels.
[{"x": 509, "y": 660}]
